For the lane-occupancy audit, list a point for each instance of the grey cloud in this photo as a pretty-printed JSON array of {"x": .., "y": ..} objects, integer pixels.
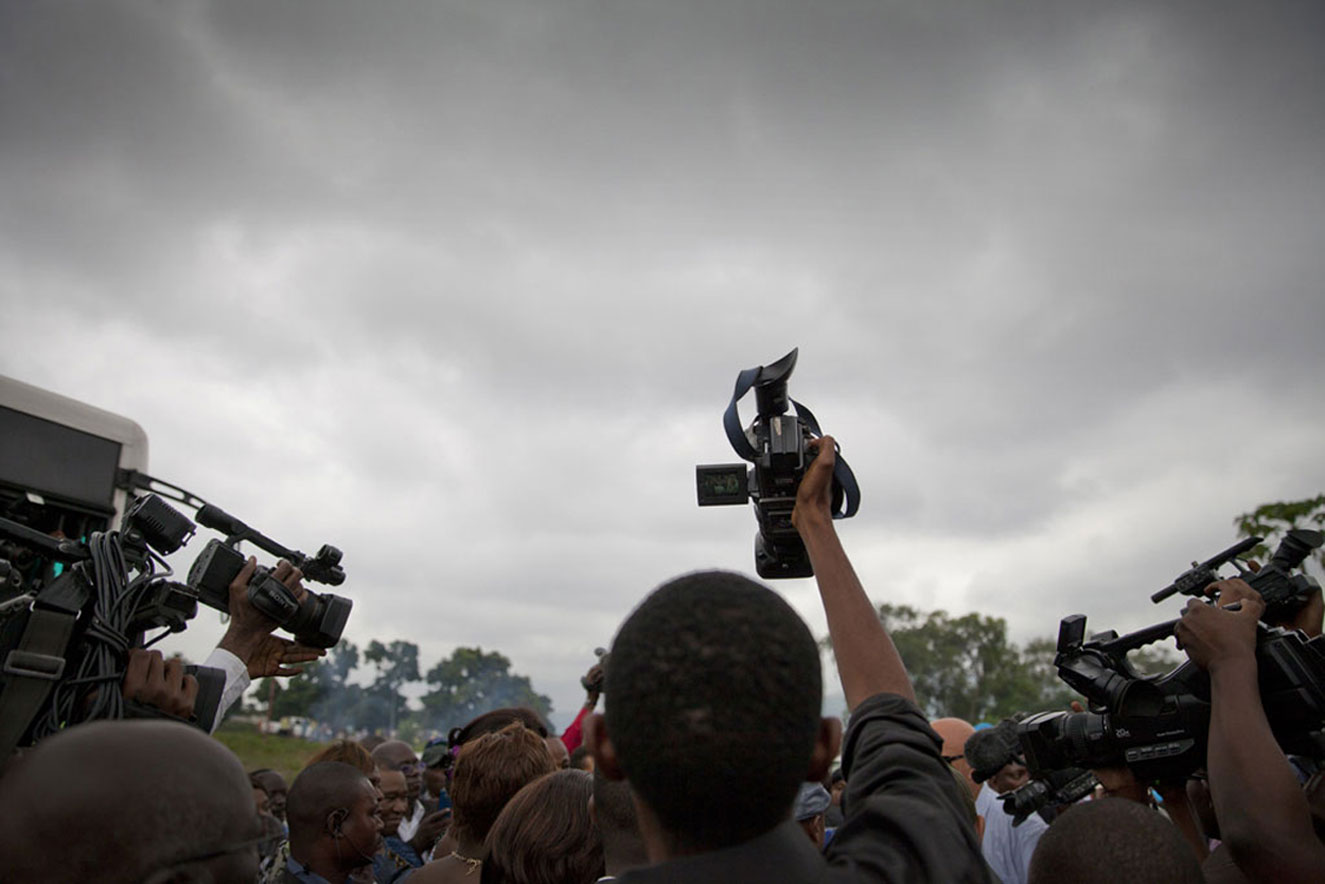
[{"x": 464, "y": 288}]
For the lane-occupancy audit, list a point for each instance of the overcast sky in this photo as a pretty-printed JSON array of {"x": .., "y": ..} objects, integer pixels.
[{"x": 463, "y": 287}]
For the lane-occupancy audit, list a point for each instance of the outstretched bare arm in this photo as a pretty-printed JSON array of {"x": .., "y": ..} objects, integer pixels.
[{"x": 867, "y": 660}]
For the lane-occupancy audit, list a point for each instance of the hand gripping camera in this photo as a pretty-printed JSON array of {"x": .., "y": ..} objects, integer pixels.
[
  {"x": 777, "y": 444},
  {"x": 317, "y": 622},
  {"x": 1158, "y": 726}
]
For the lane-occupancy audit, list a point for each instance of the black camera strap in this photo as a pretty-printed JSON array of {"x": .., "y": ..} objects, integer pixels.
[
  {"x": 846, "y": 492},
  {"x": 31, "y": 671}
]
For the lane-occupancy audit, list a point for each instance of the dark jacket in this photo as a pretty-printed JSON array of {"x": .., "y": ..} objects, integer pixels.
[{"x": 904, "y": 818}]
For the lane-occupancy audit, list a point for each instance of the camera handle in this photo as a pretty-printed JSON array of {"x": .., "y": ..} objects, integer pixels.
[{"x": 843, "y": 478}]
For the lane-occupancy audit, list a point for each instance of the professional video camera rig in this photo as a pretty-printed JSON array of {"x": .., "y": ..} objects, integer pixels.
[
  {"x": 77, "y": 596},
  {"x": 777, "y": 444},
  {"x": 1158, "y": 726}
]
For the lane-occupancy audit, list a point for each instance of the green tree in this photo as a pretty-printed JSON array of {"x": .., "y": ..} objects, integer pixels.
[
  {"x": 962, "y": 666},
  {"x": 322, "y": 692},
  {"x": 298, "y": 696},
  {"x": 1273, "y": 520},
  {"x": 397, "y": 665},
  {"x": 471, "y": 682}
]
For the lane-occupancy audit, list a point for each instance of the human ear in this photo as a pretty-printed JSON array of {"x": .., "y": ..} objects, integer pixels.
[
  {"x": 826, "y": 746},
  {"x": 601, "y": 748}
]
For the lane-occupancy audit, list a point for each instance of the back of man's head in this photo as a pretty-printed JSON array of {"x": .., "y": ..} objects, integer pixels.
[
  {"x": 1113, "y": 840},
  {"x": 713, "y": 697},
  {"x": 122, "y": 801}
]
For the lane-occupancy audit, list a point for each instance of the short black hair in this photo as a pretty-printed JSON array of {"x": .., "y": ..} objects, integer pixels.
[
  {"x": 713, "y": 701},
  {"x": 990, "y": 750},
  {"x": 1113, "y": 839},
  {"x": 320, "y": 789}
]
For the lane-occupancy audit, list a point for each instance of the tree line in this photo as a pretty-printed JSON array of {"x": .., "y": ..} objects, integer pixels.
[{"x": 468, "y": 682}]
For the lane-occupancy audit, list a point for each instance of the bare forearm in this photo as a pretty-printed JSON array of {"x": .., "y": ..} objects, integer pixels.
[
  {"x": 1263, "y": 814},
  {"x": 867, "y": 661}
]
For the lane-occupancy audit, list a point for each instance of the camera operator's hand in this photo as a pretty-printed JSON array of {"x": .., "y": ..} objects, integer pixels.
[
  {"x": 814, "y": 497},
  {"x": 593, "y": 685},
  {"x": 249, "y": 635},
  {"x": 154, "y": 681},
  {"x": 1310, "y": 618},
  {"x": 1264, "y": 818},
  {"x": 1213, "y": 636}
]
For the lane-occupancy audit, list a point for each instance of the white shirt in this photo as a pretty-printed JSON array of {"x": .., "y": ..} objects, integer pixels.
[
  {"x": 1007, "y": 849},
  {"x": 236, "y": 681},
  {"x": 410, "y": 824}
]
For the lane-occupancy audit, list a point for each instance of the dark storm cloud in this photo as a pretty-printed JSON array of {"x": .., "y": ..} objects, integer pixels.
[{"x": 488, "y": 270}]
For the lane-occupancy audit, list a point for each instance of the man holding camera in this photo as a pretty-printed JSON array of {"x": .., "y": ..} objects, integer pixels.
[
  {"x": 741, "y": 704},
  {"x": 1265, "y": 820}
]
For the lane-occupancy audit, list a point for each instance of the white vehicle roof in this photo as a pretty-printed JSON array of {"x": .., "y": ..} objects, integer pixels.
[{"x": 63, "y": 411}]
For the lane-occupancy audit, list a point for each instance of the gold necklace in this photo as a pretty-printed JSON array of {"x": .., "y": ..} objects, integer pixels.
[{"x": 469, "y": 861}]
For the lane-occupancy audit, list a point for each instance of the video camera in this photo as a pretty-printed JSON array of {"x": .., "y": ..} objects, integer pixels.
[
  {"x": 777, "y": 444},
  {"x": 1158, "y": 726},
  {"x": 317, "y": 622},
  {"x": 71, "y": 609}
]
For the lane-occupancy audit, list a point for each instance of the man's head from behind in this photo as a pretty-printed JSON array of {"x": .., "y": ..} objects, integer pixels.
[
  {"x": 1113, "y": 840},
  {"x": 712, "y": 712},
  {"x": 128, "y": 801}
]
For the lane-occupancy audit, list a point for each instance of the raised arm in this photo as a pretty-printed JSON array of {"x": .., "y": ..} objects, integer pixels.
[
  {"x": 1263, "y": 814},
  {"x": 867, "y": 661}
]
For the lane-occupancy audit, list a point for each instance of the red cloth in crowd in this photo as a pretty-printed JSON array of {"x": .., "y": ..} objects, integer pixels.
[{"x": 574, "y": 734}]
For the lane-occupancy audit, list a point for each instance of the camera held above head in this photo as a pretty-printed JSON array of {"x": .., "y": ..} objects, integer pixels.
[{"x": 778, "y": 446}]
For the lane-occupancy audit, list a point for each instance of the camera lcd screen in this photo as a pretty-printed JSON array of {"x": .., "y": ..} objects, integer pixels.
[
  {"x": 46, "y": 457},
  {"x": 722, "y": 484}
]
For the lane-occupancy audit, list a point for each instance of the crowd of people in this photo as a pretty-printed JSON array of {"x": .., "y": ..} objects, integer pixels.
[{"x": 710, "y": 762}]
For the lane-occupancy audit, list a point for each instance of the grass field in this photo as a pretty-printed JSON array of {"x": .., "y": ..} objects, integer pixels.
[{"x": 286, "y": 755}]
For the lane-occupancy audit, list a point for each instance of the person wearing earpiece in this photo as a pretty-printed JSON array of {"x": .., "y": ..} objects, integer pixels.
[{"x": 335, "y": 827}]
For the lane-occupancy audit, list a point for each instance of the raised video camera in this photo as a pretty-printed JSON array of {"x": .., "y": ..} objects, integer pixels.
[
  {"x": 777, "y": 444},
  {"x": 318, "y": 621},
  {"x": 1158, "y": 725}
]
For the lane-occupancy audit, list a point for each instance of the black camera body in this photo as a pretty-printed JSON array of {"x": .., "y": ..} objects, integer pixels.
[
  {"x": 316, "y": 622},
  {"x": 1046, "y": 796},
  {"x": 777, "y": 444},
  {"x": 1159, "y": 726}
]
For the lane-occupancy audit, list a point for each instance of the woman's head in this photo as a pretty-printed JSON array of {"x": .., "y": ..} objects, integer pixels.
[
  {"x": 546, "y": 835},
  {"x": 488, "y": 773}
]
